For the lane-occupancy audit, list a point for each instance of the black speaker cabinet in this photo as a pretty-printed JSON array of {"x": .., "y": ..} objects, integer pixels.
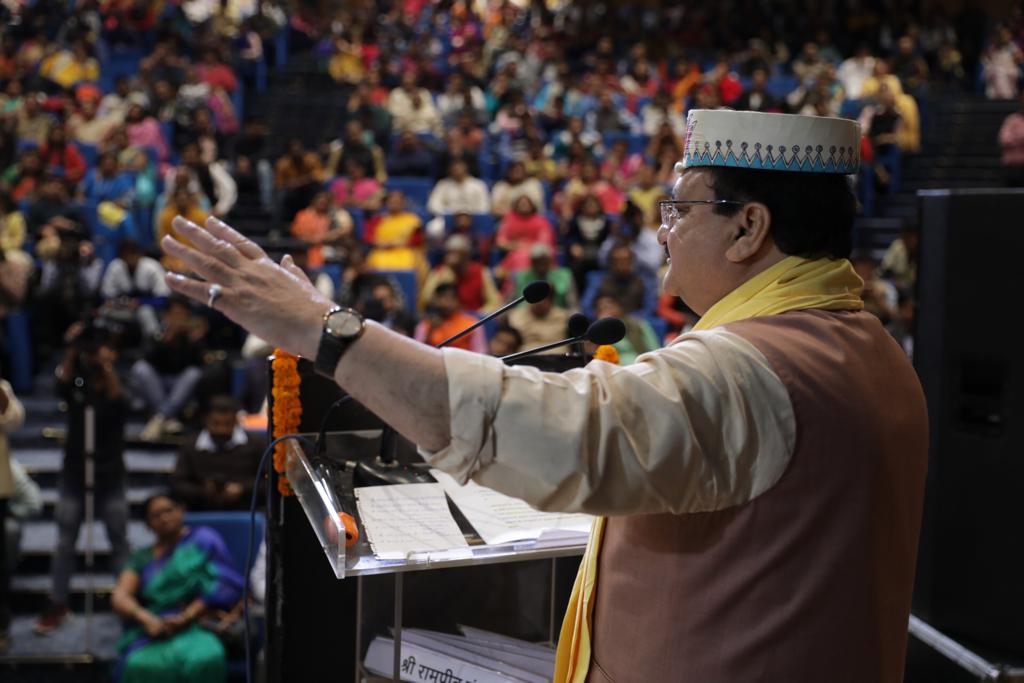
[{"x": 970, "y": 361}]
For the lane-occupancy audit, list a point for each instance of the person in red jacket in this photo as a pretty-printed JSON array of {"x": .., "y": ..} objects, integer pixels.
[{"x": 60, "y": 158}]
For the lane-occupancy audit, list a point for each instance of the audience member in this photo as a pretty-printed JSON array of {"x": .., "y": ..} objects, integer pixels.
[
  {"x": 323, "y": 228},
  {"x": 297, "y": 176},
  {"x": 108, "y": 182},
  {"x": 543, "y": 267},
  {"x": 757, "y": 97},
  {"x": 515, "y": 184},
  {"x": 410, "y": 157},
  {"x": 87, "y": 126},
  {"x": 622, "y": 281},
  {"x": 211, "y": 179},
  {"x": 540, "y": 323},
  {"x": 506, "y": 340},
  {"x": 1011, "y": 142},
  {"x": 1001, "y": 63},
  {"x": 640, "y": 337},
  {"x": 395, "y": 237},
  {"x": 443, "y": 319},
  {"x": 61, "y": 158},
  {"x": 588, "y": 229},
  {"x": 856, "y": 70},
  {"x": 383, "y": 306},
  {"x": 519, "y": 231},
  {"x": 12, "y": 416},
  {"x": 412, "y": 107},
  {"x": 184, "y": 204},
  {"x": 215, "y": 471},
  {"x": 165, "y": 380},
  {"x": 356, "y": 190},
  {"x": 165, "y": 590},
  {"x": 474, "y": 285},
  {"x": 880, "y": 297},
  {"x": 136, "y": 281},
  {"x": 459, "y": 192}
]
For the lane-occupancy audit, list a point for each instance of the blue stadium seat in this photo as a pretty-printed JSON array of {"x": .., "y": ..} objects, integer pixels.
[
  {"x": 484, "y": 224},
  {"x": 850, "y": 109},
  {"x": 416, "y": 190},
  {"x": 234, "y": 529},
  {"x": 19, "y": 347},
  {"x": 88, "y": 152},
  {"x": 593, "y": 283},
  {"x": 780, "y": 86}
]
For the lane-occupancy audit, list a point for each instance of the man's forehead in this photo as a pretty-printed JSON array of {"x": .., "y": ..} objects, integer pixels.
[{"x": 692, "y": 184}]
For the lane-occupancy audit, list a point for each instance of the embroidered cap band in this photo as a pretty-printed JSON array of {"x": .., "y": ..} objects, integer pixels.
[{"x": 771, "y": 142}]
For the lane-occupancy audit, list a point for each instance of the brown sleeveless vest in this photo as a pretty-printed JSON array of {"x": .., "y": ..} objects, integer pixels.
[{"x": 810, "y": 581}]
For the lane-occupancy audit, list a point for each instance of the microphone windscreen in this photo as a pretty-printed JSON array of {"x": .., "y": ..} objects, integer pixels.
[
  {"x": 578, "y": 325},
  {"x": 538, "y": 290},
  {"x": 606, "y": 331}
]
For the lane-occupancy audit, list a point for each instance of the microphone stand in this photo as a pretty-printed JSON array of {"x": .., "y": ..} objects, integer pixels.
[{"x": 541, "y": 349}]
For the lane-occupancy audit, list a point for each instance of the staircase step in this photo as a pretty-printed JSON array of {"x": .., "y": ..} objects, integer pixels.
[
  {"x": 66, "y": 645},
  {"x": 49, "y": 461},
  {"x": 40, "y": 537},
  {"x": 136, "y": 495},
  {"x": 96, "y": 582}
]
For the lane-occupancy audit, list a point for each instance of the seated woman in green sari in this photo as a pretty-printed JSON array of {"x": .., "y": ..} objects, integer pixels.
[{"x": 163, "y": 592}]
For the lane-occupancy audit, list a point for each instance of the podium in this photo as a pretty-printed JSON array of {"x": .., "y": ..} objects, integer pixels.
[{"x": 326, "y": 601}]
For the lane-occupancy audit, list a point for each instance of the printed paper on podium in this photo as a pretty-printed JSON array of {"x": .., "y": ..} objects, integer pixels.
[
  {"x": 501, "y": 519},
  {"x": 405, "y": 520}
]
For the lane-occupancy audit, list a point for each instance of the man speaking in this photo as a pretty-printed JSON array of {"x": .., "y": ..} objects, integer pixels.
[{"x": 760, "y": 480}]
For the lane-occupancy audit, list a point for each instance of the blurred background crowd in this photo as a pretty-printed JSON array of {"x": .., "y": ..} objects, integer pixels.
[{"x": 423, "y": 161}]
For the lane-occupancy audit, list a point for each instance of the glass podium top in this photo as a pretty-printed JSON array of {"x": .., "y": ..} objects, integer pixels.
[{"x": 324, "y": 487}]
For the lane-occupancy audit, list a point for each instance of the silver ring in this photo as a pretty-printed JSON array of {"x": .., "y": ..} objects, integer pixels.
[{"x": 214, "y": 292}]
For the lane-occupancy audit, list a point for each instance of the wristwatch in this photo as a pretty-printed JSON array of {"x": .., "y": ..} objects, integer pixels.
[{"x": 342, "y": 326}]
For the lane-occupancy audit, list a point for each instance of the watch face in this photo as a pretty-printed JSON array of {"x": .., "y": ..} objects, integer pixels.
[{"x": 344, "y": 324}]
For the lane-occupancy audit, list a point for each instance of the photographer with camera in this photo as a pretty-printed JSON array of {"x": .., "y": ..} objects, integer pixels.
[{"x": 87, "y": 378}]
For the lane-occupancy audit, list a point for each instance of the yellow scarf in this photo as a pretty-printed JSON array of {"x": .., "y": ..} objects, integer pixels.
[{"x": 793, "y": 284}]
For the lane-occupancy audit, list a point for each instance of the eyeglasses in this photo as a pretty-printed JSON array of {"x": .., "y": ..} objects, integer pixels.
[{"x": 670, "y": 208}]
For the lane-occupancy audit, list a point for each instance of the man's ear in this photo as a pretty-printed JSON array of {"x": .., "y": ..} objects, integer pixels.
[{"x": 752, "y": 232}]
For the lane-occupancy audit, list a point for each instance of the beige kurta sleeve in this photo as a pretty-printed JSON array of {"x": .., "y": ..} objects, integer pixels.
[{"x": 702, "y": 425}]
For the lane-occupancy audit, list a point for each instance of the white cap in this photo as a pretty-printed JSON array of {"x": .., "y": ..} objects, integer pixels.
[{"x": 771, "y": 142}]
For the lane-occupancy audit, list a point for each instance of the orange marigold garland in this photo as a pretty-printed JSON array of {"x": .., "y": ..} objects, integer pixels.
[
  {"x": 607, "y": 353},
  {"x": 287, "y": 411}
]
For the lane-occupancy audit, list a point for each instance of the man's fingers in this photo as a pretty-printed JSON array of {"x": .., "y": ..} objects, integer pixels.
[
  {"x": 288, "y": 264},
  {"x": 193, "y": 289},
  {"x": 243, "y": 244},
  {"x": 208, "y": 243},
  {"x": 209, "y": 267}
]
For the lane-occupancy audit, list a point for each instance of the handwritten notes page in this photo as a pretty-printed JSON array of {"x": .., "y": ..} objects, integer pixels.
[
  {"x": 405, "y": 520},
  {"x": 501, "y": 519}
]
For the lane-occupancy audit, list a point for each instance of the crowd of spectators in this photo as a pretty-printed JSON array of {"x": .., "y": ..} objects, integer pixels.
[{"x": 484, "y": 145}]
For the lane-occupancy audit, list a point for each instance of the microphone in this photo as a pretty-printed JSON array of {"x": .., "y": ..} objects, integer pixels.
[
  {"x": 538, "y": 290},
  {"x": 386, "y": 469},
  {"x": 604, "y": 331},
  {"x": 578, "y": 324}
]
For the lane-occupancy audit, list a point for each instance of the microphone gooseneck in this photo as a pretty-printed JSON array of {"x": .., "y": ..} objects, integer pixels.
[
  {"x": 604, "y": 331},
  {"x": 537, "y": 290}
]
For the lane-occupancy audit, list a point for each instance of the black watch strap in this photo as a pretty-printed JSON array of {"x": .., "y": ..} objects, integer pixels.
[
  {"x": 329, "y": 354},
  {"x": 332, "y": 347}
]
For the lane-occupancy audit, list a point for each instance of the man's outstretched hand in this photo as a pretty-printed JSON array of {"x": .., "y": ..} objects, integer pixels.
[{"x": 276, "y": 302}]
